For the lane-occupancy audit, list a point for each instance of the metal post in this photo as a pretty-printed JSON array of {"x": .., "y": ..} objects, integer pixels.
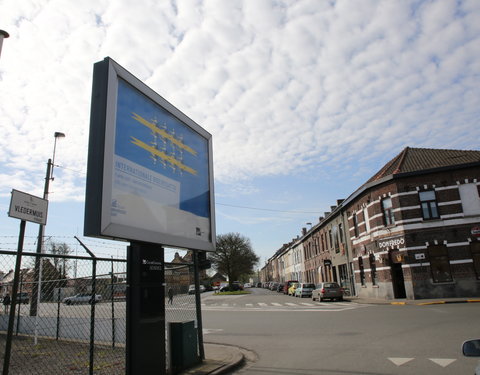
[
  {"x": 11, "y": 318},
  {"x": 20, "y": 304},
  {"x": 92, "y": 310},
  {"x": 58, "y": 313},
  {"x": 198, "y": 306},
  {"x": 41, "y": 227},
  {"x": 113, "y": 308},
  {"x": 3, "y": 35}
]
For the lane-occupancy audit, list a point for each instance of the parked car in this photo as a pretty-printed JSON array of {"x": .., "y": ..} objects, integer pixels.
[
  {"x": 280, "y": 288},
  {"x": 247, "y": 285},
  {"x": 23, "y": 298},
  {"x": 291, "y": 290},
  {"x": 82, "y": 298},
  {"x": 191, "y": 289},
  {"x": 329, "y": 290},
  {"x": 471, "y": 348},
  {"x": 287, "y": 285},
  {"x": 233, "y": 288},
  {"x": 304, "y": 290}
]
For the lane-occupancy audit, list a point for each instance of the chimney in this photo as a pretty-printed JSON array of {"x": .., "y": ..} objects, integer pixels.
[
  {"x": 326, "y": 213},
  {"x": 332, "y": 208},
  {"x": 320, "y": 218},
  {"x": 340, "y": 201},
  {"x": 304, "y": 231}
]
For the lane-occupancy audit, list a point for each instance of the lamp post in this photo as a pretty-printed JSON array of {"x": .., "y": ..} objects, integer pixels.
[
  {"x": 49, "y": 176},
  {"x": 3, "y": 35}
]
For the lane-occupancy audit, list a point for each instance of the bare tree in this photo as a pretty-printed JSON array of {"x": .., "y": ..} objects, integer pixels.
[
  {"x": 62, "y": 265},
  {"x": 234, "y": 256}
]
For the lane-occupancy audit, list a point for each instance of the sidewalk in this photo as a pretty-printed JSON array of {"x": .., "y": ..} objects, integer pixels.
[
  {"x": 418, "y": 302},
  {"x": 219, "y": 359}
]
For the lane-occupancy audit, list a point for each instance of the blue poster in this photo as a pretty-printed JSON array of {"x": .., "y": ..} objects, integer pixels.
[{"x": 161, "y": 169}]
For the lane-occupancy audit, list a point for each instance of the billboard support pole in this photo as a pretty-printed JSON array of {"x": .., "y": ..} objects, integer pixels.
[{"x": 145, "y": 344}]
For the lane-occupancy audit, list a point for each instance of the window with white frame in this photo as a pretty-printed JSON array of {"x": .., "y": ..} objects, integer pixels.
[
  {"x": 388, "y": 216},
  {"x": 428, "y": 202},
  {"x": 367, "y": 219},
  {"x": 470, "y": 199}
]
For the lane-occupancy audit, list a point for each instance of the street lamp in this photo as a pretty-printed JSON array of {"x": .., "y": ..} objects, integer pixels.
[
  {"x": 3, "y": 35},
  {"x": 49, "y": 176}
]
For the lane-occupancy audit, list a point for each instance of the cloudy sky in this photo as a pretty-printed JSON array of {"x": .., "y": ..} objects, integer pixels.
[{"x": 305, "y": 99}]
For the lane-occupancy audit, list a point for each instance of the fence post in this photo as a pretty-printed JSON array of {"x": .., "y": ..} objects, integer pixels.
[
  {"x": 58, "y": 313},
  {"x": 93, "y": 301},
  {"x": 198, "y": 304},
  {"x": 11, "y": 318},
  {"x": 113, "y": 309}
]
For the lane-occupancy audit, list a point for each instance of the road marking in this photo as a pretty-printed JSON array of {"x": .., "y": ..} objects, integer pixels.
[
  {"x": 249, "y": 304},
  {"x": 277, "y": 304},
  {"x": 306, "y": 304},
  {"x": 444, "y": 362},
  {"x": 400, "y": 361},
  {"x": 291, "y": 304},
  {"x": 206, "y": 331},
  {"x": 262, "y": 304}
]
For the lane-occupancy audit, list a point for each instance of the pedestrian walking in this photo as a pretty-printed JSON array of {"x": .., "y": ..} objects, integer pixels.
[
  {"x": 6, "y": 303},
  {"x": 170, "y": 296}
]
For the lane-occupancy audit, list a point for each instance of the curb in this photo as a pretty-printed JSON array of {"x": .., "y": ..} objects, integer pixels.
[
  {"x": 447, "y": 302},
  {"x": 227, "y": 368}
]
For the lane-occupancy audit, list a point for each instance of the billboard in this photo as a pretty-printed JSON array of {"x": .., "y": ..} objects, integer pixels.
[{"x": 150, "y": 175}]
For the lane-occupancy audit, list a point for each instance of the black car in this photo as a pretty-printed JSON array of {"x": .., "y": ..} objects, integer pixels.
[{"x": 23, "y": 298}]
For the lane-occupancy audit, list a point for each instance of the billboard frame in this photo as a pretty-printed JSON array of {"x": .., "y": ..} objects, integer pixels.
[{"x": 101, "y": 153}]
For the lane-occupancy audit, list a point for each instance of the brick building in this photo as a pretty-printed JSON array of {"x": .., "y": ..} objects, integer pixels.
[{"x": 414, "y": 226}]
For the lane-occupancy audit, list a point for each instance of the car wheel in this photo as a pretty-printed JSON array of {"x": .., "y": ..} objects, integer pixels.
[
  {"x": 340, "y": 298},
  {"x": 320, "y": 299}
]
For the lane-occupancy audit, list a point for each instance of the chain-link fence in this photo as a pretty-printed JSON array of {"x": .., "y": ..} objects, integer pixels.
[{"x": 70, "y": 313}]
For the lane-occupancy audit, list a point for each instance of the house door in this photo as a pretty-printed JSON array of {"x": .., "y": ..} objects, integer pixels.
[{"x": 398, "y": 281}]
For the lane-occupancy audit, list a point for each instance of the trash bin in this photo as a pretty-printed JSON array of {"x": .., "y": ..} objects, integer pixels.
[{"x": 183, "y": 346}]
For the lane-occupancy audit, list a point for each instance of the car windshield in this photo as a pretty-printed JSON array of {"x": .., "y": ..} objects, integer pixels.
[{"x": 312, "y": 286}]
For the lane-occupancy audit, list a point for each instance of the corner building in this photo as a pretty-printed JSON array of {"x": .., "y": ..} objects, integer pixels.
[{"x": 414, "y": 227}]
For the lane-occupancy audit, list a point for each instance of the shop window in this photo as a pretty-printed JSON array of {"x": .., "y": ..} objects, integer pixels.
[
  {"x": 428, "y": 202},
  {"x": 373, "y": 269},
  {"x": 439, "y": 264},
  {"x": 475, "y": 249},
  {"x": 362, "y": 270},
  {"x": 388, "y": 216}
]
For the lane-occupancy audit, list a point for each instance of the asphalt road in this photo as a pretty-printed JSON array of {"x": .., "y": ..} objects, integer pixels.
[{"x": 363, "y": 339}]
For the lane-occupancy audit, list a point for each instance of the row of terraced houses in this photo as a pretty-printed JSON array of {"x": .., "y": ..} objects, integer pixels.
[{"x": 411, "y": 231}]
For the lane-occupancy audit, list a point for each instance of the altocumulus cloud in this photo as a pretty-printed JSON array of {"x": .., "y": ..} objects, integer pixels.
[{"x": 283, "y": 86}]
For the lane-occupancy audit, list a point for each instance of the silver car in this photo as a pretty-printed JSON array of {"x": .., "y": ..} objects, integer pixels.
[
  {"x": 327, "y": 290},
  {"x": 304, "y": 290}
]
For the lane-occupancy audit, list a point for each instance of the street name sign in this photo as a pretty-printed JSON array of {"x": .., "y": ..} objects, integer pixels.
[{"x": 28, "y": 207}]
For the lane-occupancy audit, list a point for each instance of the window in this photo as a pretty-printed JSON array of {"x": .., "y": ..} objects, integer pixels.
[
  {"x": 336, "y": 246},
  {"x": 330, "y": 238},
  {"x": 340, "y": 232},
  {"x": 470, "y": 199},
  {"x": 373, "y": 268},
  {"x": 475, "y": 249},
  {"x": 355, "y": 224},
  {"x": 388, "y": 216},
  {"x": 428, "y": 201},
  {"x": 439, "y": 264},
  {"x": 362, "y": 270},
  {"x": 367, "y": 220}
]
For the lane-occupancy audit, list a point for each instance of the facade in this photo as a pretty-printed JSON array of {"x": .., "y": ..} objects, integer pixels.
[
  {"x": 412, "y": 227},
  {"x": 411, "y": 231}
]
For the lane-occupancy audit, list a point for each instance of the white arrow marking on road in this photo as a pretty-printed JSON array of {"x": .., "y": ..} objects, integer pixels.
[
  {"x": 444, "y": 362},
  {"x": 400, "y": 361},
  {"x": 206, "y": 331}
]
